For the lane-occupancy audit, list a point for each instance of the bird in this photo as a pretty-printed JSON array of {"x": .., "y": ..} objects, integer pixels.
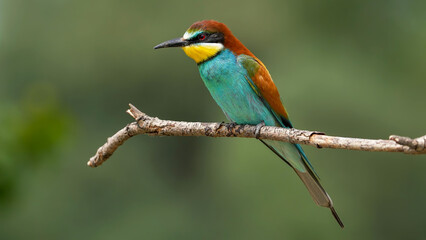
[{"x": 243, "y": 88}]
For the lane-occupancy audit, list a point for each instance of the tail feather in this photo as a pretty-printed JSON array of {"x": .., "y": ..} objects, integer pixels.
[
  {"x": 336, "y": 216},
  {"x": 318, "y": 194},
  {"x": 294, "y": 156}
]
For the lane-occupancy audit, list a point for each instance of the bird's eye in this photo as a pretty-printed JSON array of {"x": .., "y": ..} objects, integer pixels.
[{"x": 202, "y": 36}]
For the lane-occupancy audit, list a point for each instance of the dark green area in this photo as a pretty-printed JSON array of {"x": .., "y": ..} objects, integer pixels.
[{"x": 68, "y": 69}]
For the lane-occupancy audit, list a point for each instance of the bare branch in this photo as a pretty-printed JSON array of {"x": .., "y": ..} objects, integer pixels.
[{"x": 156, "y": 127}]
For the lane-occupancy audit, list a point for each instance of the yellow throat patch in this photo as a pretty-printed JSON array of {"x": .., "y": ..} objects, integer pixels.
[{"x": 203, "y": 51}]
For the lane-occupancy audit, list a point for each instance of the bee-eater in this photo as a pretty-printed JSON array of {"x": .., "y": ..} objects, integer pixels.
[{"x": 243, "y": 88}]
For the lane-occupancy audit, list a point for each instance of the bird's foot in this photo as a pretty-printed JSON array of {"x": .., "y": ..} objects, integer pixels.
[{"x": 258, "y": 128}]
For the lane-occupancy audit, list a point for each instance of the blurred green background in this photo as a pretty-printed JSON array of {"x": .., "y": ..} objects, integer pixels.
[{"x": 68, "y": 69}]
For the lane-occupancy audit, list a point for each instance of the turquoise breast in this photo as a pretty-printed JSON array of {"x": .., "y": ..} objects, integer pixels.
[{"x": 226, "y": 80}]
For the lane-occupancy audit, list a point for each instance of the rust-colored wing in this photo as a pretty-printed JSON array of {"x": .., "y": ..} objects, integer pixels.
[{"x": 261, "y": 82}]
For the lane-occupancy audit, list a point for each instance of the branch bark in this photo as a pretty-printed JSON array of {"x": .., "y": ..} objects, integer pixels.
[{"x": 153, "y": 126}]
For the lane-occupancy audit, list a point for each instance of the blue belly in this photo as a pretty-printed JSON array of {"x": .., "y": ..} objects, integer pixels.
[{"x": 226, "y": 80}]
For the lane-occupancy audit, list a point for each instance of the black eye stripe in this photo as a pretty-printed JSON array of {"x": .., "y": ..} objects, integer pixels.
[{"x": 216, "y": 37}]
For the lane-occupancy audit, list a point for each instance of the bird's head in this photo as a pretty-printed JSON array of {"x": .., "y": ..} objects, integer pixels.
[{"x": 205, "y": 39}]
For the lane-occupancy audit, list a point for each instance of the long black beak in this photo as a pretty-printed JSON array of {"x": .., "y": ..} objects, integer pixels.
[{"x": 177, "y": 42}]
